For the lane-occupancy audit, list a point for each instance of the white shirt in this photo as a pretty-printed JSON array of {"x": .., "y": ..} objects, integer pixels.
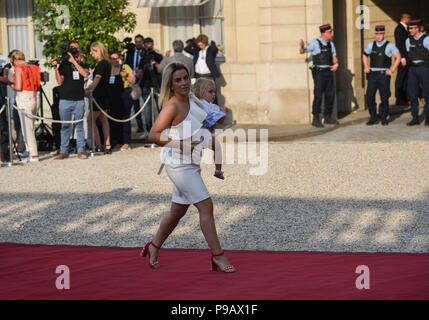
[
  {"x": 201, "y": 65},
  {"x": 137, "y": 58}
]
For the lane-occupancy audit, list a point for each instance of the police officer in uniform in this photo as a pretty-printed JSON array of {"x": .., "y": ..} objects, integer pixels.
[
  {"x": 325, "y": 63},
  {"x": 378, "y": 73},
  {"x": 417, "y": 46}
]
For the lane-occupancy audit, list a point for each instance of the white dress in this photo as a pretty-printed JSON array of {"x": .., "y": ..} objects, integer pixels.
[{"x": 184, "y": 169}]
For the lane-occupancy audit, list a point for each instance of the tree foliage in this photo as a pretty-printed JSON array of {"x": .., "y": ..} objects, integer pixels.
[{"x": 86, "y": 21}]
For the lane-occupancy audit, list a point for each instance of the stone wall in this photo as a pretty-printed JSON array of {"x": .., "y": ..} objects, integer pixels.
[{"x": 267, "y": 80}]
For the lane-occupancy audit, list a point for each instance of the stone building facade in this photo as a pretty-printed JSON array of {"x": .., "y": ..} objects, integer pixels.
[{"x": 265, "y": 79}]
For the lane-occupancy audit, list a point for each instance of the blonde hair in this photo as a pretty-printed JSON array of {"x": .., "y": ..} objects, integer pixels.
[
  {"x": 99, "y": 47},
  {"x": 201, "y": 86},
  {"x": 167, "y": 79},
  {"x": 17, "y": 55}
]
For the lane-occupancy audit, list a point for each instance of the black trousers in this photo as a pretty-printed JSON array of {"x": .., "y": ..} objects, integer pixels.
[
  {"x": 139, "y": 120},
  {"x": 418, "y": 77},
  {"x": 401, "y": 84},
  {"x": 127, "y": 103},
  {"x": 378, "y": 82},
  {"x": 56, "y": 127},
  {"x": 121, "y": 109},
  {"x": 323, "y": 85},
  {"x": 4, "y": 135}
]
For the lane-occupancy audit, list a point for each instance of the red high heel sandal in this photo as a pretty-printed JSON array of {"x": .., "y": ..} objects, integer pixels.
[
  {"x": 216, "y": 267},
  {"x": 145, "y": 251}
]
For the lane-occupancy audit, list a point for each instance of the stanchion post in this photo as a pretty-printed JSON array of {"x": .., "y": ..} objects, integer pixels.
[
  {"x": 91, "y": 123},
  {"x": 153, "y": 107},
  {"x": 9, "y": 126},
  {"x": 152, "y": 99}
]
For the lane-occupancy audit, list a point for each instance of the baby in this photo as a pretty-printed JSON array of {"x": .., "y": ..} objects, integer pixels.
[{"x": 205, "y": 91}]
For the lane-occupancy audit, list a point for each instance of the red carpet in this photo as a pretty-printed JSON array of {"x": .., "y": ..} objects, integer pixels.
[{"x": 28, "y": 272}]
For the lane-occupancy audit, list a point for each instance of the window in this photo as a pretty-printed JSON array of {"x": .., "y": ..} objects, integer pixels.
[
  {"x": 211, "y": 20},
  {"x": 19, "y": 31},
  {"x": 184, "y": 23}
]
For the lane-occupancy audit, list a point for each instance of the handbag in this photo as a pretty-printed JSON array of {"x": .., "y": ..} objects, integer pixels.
[{"x": 136, "y": 91}]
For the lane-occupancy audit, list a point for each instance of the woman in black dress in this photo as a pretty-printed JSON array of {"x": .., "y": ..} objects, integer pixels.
[
  {"x": 99, "y": 89},
  {"x": 120, "y": 78}
]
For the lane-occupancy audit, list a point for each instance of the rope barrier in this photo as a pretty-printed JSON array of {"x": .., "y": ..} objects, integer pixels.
[
  {"x": 120, "y": 120},
  {"x": 47, "y": 119},
  {"x": 81, "y": 120}
]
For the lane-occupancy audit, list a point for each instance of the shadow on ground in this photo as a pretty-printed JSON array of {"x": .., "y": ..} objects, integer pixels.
[{"x": 124, "y": 218}]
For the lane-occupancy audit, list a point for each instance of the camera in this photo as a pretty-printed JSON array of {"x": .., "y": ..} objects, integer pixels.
[
  {"x": 147, "y": 55},
  {"x": 65, "y": 50},
  {"x": 44, "y": 75},
  {"x": 129, "y": 46}
]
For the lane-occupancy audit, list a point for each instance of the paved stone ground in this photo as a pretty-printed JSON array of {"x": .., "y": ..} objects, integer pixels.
[
  {"x": 397, "y": 131},
  {"x": 356, "y": 189}
]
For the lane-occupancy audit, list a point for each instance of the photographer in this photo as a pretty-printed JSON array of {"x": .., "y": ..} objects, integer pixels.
[
  {"x": 70, "y": 77},
  {"x": 134, "y": 52},
  {"x": 4, "y": 147},
  {"x": 148, "y": 72}
]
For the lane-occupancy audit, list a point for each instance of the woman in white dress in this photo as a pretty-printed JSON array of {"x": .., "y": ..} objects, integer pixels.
[{"x": 177, "y": 127}]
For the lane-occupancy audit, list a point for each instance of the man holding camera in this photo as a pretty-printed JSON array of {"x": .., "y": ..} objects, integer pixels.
[
  {"x": 70, "y": 77},
  {"x": 148, "y": 72}
]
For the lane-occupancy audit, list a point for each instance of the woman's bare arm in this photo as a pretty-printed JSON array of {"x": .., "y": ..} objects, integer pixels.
[
  {"x": 165, "y": 118},
  {"x": 18, "y": 80},
  {"x": 93, "y": 85}
]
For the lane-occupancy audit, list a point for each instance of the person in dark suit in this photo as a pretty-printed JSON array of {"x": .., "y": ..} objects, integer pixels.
[
  {"x": 132, "y": 59},
  {"x": 204, "y": 56},
  {"x": 401, "y": 34},
  {"x": 4, "y": 129}
]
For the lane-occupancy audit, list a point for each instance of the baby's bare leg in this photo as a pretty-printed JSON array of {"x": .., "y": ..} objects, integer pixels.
[{"x": 217, "y": 149}]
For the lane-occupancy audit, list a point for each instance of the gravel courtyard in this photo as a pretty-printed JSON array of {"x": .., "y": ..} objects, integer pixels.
[{"x": 356, "y": 189}]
